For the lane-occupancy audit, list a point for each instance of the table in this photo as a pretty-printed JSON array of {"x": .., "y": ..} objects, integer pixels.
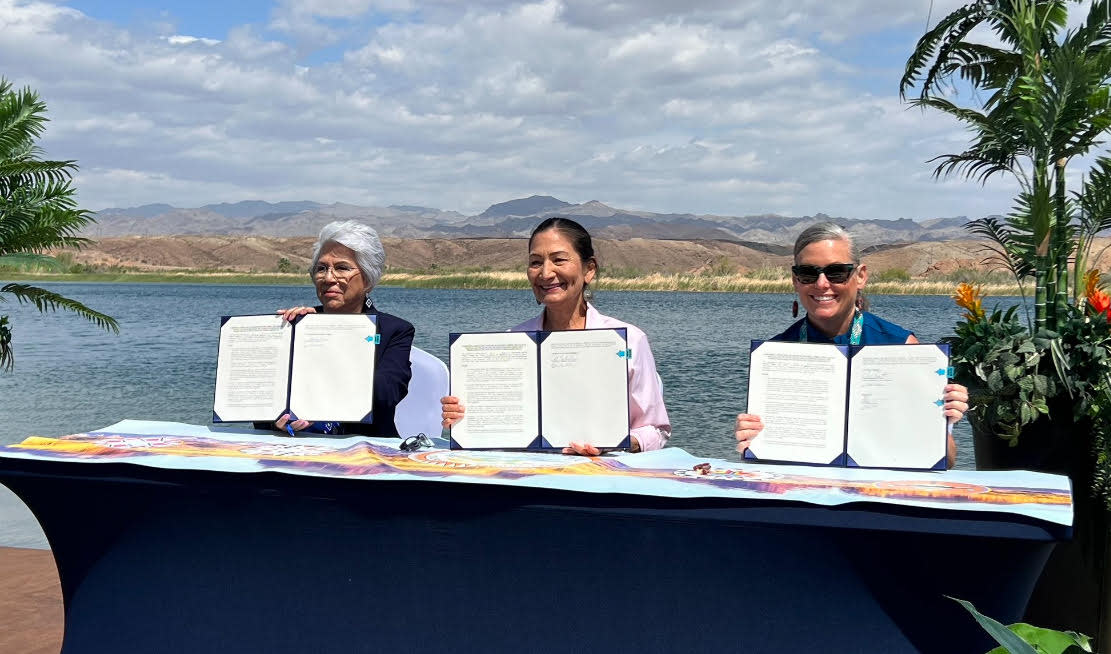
[{"x": 158, "y": 559}]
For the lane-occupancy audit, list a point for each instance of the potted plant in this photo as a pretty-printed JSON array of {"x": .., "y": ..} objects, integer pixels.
[{"x": 1040, "y": 383}]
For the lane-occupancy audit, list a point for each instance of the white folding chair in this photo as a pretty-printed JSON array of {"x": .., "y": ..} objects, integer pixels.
[{"x": 419, "y": 411}]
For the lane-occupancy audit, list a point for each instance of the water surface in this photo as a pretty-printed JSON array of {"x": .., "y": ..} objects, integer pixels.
[{"x": 70, "y": 376}]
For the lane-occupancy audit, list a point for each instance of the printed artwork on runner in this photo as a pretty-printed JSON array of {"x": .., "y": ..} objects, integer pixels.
[{"x": 667, "y": 473}]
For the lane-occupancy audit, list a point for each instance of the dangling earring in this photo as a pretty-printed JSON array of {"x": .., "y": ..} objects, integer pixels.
[
  {"x": 588, "y": 294},
  {"x": 795, "y": 309},
  {"x": 369, "y": 303}
]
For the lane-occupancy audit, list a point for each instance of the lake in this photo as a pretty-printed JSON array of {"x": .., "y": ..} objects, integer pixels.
[{"x": 70, "y": 376}]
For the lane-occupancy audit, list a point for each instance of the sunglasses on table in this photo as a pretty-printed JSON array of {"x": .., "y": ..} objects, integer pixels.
[
  {"x": 414, "y": 443},
  {"x": 836, "y": 273}
]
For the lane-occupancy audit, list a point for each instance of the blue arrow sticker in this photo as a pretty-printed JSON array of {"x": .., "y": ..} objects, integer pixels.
[
  {"x": 625, "y": 353},
  {"x": 939, "y": 402},
  {"x": 376, "y": 339},
  {"x": 941, "y": 371}
]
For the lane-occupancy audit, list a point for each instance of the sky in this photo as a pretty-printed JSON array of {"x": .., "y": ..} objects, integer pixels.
[{"x": 726, "y": 107}]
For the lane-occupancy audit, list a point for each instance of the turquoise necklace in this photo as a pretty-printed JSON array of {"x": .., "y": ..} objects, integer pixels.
[{"x": 854, "y": 332}]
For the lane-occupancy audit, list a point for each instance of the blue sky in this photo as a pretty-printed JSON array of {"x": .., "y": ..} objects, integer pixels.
[
  {"x": 726, "y": 107},
  {"x": 200, "y": 18}
]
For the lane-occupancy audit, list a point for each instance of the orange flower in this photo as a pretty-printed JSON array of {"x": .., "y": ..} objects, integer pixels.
[
  {"x": 1099, "y": 301},
  {"x": 970, "y": 298},
  {"x": 1091, "y": 282}
]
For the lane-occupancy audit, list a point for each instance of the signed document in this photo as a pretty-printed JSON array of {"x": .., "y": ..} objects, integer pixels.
[
  {"x": 895, "y": 414},
  {"x": 494, "y": 376},
  {"x": 541, "y": 390},
  {"x": 320, "y": 368},
  {"x": 867, "y": 406}
]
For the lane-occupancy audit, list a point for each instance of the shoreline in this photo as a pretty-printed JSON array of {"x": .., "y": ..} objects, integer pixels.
[{"x": 507, "y": 280}]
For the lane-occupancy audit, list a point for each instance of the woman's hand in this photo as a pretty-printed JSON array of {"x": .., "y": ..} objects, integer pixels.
[
  {"x": 956, "y": 402},
  {"x": 451, "y": 411},
  {"x": 747, "y": 428},
  {"x": 291, "y": 314},
  {"x": 283, "y": 423},
  {"x": 586, "y": 449}
]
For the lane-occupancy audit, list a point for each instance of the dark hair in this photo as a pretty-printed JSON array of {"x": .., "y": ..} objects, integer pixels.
[{"x": 576, "y": 233}]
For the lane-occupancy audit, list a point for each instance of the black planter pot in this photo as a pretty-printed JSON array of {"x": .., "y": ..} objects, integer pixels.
[
  {"x": 1047, "y": 445},
  {"x": 1068, "y": 595}
]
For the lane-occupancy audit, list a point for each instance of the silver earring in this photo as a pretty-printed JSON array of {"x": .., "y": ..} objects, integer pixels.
[
  {"x": 588, "y": 294},
  {"x": 369, "y": 303}
]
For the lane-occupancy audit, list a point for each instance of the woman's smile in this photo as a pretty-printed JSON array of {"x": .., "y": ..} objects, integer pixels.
[{"x": 829, "y": 307}]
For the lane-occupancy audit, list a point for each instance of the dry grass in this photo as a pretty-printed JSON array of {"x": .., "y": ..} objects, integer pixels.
[{"x": 735, "y": 283}]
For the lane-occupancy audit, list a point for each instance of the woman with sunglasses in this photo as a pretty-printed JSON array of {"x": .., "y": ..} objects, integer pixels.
[
  {"x": 347, "y": 262},
  {"x": 828, "y": 277},
  {"x": 561, "y": 266}
]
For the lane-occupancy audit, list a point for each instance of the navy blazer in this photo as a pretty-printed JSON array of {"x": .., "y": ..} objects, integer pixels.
[{"x": 392, "y": 373}]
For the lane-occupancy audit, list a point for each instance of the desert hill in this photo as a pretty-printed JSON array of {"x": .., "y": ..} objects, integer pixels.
[
  {"x": 635, "y": 256},
  {"x": 510, "y": 219},
  {"x": 258, "y": 236}
]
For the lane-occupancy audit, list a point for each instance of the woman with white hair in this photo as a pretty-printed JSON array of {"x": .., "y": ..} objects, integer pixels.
[
  {"x": 828, "y": 277},
  {"x": 347, "y": 263}
]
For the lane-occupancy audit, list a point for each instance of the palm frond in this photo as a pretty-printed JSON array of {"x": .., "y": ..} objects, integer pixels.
[
  {"x": 935, "y": 45},
  {"x": 1008, "y": 252},
  {"x": 22, "y": 121},
  {"x": 7, "y": 355},
  {"x": 1094, "y": 198},
  {"x": 45, "y": 300}
]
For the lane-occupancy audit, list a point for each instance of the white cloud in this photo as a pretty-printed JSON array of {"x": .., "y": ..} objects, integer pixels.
[
  {"x": 181, "y": 39},
  {"x": 708, "y": 107}
]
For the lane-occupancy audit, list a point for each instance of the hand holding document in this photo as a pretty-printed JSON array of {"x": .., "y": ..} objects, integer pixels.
[
  {"x": 320, "y": 368},
  {"x": 869, "y": 406},
  {"x": 541, "y": 390}
]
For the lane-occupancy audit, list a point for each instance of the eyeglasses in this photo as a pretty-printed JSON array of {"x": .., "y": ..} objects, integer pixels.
[
  {"x": 414, "y": 443},
  {"x": 836, "y": 273},
  {"x": 339, "y": 271}
]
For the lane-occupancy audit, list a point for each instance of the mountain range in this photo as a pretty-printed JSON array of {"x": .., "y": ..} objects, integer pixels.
[{"x": 511, "y": 219}]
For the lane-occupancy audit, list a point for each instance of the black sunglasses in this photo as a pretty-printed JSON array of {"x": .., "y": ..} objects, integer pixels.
[
  {"x": 836, "y": 273},
  {"x": 414, "y": 443}
]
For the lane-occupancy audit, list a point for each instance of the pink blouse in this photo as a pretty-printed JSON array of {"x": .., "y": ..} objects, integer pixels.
[{"x": 648, "y": 419}]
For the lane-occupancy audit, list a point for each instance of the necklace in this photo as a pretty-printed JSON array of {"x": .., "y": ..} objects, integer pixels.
[{"x": 854, "y": 332}]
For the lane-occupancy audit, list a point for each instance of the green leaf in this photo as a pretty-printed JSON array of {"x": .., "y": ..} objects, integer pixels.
[
  {"x": 995, "y": 381},
  {"x": 38, "y": 209},
  {"x": 1026, "y": 413},
  {"x": 1002, "y": 635},
  {"x": 1050, "y": 641}
]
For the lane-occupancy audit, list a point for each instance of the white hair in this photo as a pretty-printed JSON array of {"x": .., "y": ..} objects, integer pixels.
[{"x": 370, "y": 256}]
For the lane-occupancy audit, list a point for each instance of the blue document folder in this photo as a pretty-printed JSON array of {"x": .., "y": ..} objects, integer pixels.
[
  {"x": 875, "y": 406},
  {"x": 540, "y": 390}
]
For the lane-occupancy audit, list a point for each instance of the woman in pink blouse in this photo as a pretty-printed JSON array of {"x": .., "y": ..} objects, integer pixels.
[{"x": 560, "y": 268}]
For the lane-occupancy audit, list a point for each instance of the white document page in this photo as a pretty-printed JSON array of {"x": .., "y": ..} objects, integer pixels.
[
  {"x": 252, "y": 368},
  {"x": 894, "y": 418},
  {"x": 333, "y": 367},
  {"x": 798, "y": 389},
  {"x": 494, "y": 377},
  {"x": 584, "y": 387}
]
